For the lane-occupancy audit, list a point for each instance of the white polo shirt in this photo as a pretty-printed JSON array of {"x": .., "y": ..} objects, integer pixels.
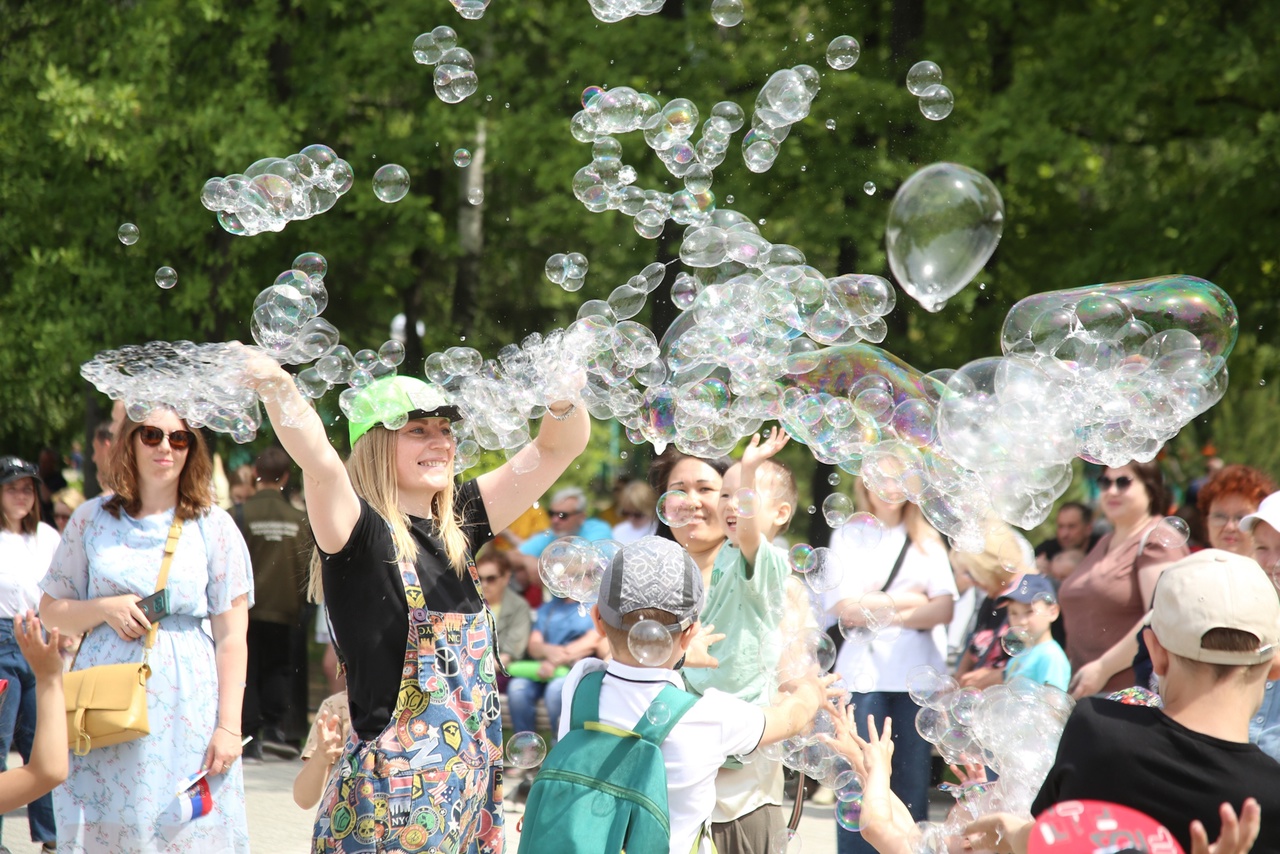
[
  {"x": 717, "y": 727},
  {"x": 24, "y": 560}
]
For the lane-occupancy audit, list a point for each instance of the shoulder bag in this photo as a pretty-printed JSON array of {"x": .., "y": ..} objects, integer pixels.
[{"x": 107, "y": 704}]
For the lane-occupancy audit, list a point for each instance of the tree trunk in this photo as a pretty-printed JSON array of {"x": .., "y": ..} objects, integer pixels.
[{"x": 470, "y": 237}]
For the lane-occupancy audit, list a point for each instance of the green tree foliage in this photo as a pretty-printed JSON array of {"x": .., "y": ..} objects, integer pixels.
[{"x": 1129, "y": 139}]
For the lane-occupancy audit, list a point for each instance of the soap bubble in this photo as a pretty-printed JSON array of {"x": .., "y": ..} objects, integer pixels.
[
  {"x": 658, "y": 713},
  {"x": 863, "y": 530},
  {"x": 836, "y": 509},
  {"x": 313, "y": 264},
  {"x": 128, "y": 234},
  {"x": 936, "y": 102},
  {"x": 786, "y": 841},
  {"x": 745, "y": 502},
  {"x": 391, "y": 183},
  {"x": 944, "y": 223},
  {"x": 472, "y": 10},
  {"x": 801, "y": 557},
  {"x": 455, "y": 77},
  {"x": 822, "y": 572},
  {"x": 869, "y": 188},
  {"x": 849, "y": 813},
  {"x": 462, "y": 158},
  {"x": 843, "y": 52},
  {"x": 166, "y": 277},
  {"x": 922, "y": 75},
  {"x": 274, "y": 191},
  {"x": 391, "y": 353},
  {"x": 1016, "y": 641},
  {"x": 650, "y": 643},
  {"x": 1171, "y": 532},
  {"x": 727, "y": 13},
  {"x": 428, "y": 48},
  {"x": 525, "y": 750},
  {"x": 475, "y": 195},
  {"x": 675, "y": 509}
]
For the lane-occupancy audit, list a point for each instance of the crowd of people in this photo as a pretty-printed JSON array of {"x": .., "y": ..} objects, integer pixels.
[{"x": 1119, "y": 603}]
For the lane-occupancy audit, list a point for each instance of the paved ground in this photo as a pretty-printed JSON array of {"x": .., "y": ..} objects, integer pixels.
[{"x": 277, "y": 826}]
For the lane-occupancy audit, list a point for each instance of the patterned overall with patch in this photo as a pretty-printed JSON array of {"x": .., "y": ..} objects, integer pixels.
[{"x": 432, "y": 780}]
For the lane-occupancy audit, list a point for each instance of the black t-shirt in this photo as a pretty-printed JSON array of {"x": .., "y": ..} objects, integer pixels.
[
  {"x": 369, "y": 612},
  {"x": 1141, "y": 758}
]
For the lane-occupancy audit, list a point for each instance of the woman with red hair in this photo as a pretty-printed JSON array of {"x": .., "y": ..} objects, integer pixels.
[{"x": 1228, "y": 497}]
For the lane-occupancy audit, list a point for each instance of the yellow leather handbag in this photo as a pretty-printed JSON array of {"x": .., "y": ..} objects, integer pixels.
[{"x": 107, "y": 704}]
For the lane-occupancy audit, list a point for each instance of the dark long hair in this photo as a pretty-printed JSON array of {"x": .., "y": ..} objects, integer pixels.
[{"x": 660, "y": 472}]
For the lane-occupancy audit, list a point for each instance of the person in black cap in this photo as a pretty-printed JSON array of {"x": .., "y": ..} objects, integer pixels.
[{"x": 1032, "y": 610}]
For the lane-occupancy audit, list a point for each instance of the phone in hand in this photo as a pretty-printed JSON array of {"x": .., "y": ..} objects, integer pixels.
[{"x": 156, "y": 606}]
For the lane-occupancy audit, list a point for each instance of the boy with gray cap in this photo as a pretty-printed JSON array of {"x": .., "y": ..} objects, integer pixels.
[
  {"x": 1212, "y": 632},
  {"x": 655, "y": 580}
]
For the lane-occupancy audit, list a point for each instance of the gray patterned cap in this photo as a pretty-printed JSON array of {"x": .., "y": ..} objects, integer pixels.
[{"x": 651, "y": 573}]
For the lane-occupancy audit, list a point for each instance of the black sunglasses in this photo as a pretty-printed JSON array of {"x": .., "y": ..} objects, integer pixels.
[
  {"x": 561, "y": 515},
  {"x": 486, "y": 579},
  {"x": 179, "y": 440},
  {"x": 1121, "y": 483}
]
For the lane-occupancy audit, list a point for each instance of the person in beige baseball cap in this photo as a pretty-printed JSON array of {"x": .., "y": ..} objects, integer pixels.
[{"x": 1212, "y": 632}]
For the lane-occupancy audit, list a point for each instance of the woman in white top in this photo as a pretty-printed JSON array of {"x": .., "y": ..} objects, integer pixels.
[
  {"x": 922, "y": 593},
  {"x": 26, "y": 549}
]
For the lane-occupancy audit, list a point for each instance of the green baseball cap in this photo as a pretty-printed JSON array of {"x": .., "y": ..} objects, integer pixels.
[{"x": 389, "y": 398}]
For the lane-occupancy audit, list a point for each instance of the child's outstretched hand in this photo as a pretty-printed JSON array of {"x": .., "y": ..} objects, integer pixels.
[
  {"x": 970, "y": 773},
  {"x": 44, "y": 656},
  {"x": 699, "y": 654},
  {"x": 332, "y": 738},
  {"x": 756, "y": 453}
]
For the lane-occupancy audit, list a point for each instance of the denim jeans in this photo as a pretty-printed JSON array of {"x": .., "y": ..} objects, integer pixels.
[
  {"x": 18, "y": 725},
  {"x": 522, "y": 699},
  {"x": 911, "y": 758}
]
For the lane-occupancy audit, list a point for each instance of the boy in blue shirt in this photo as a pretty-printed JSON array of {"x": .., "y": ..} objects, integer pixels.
[{"x": 1032, "y": 609}]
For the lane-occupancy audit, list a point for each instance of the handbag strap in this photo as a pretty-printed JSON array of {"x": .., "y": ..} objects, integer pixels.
[{"x": 170, "y": 546}]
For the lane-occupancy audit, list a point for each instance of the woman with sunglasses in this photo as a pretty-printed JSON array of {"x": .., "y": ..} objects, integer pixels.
[
  {"x": 1105, "y": 599},
  {"x": 122, "y": 797},
  {"x": 27, "y": 546},
  {"x": 395, "y": 537}
]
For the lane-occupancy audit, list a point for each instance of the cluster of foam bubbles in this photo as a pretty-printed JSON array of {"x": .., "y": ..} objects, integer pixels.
[
  {"x": 472, "y": 10},
  {"x": 607, "y": 183},
  {"x": 277, "y": 190},
  {"x": 924, "y": 80},
  {"x": 1012, "y": 728},
  {"x": 569, "y": 271},
  {"x": 784, "y": 100},
  {"x": 455, "y": 68},
  {"x": 612, "y": 11},
  {"x": 572, "y": 567},
  {"x": 1108, "y": 373},
  {"x": 202, "y": 383}
]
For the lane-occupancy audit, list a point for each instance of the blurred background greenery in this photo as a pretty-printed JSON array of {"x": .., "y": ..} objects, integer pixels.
[{"x": 1129, "y": 139}]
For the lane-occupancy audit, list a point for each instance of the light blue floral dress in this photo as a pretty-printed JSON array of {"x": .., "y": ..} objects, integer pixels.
[{"x": 124, "y": 798}]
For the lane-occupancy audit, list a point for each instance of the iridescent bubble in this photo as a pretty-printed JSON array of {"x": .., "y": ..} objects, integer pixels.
[
  {"x": 849, "y": 813},
  {"x": 462, "y": 158},
  {"x": 801, "y": 557},
  {"x": 684, "y": 290},
  {"x": 311, "y": 263},
  {"x": 475, "y": 195},
  {"x": 869, "y": 188},
  {"x": 650, "y": 643},
  {"x": 863, "y": 530},
  {"x": 1016, "y": 641},
  {"x": 525, "y": 750},
  {"x": 428, "y": 48},
  {"x": 128, "y": 234},
  {"x": 843, "y": 52},
  {"x": 391, "y": 353},
  {"x": 745, "y": 502},
  {"x": 922, "y": 75},
  {"x": 727, "y": 13},
  {"x": 166, "y": 277},
  {"x": 675, "y": 509},
  {"x": 836, "y": 509},
  {"x": 471, "y": 10},
  {"x": 589, "y": 93},
  {"x": 391, "y": 183},
  {"x": 936, "y": 102},
  {"x": 944, "y": 223}
]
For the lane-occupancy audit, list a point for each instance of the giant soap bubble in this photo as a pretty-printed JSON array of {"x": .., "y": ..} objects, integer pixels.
[{"x": 944, "y": 223}]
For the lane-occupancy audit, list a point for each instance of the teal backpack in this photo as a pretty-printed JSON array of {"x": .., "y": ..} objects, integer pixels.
[{"x": 603, "y": 790}]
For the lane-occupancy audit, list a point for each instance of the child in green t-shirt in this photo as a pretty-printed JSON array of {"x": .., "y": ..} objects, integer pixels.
[{"x": 746, "y": 602}]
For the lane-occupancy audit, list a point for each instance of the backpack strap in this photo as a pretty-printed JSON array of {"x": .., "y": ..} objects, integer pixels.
[
  {"x": 586, "y": 700},
  {"x": 677, "y": 701}
]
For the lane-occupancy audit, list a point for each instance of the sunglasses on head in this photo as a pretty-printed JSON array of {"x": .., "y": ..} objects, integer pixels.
[
  {"x": 179, "y": 440},
  {"x": 1121, "y": 483}
]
